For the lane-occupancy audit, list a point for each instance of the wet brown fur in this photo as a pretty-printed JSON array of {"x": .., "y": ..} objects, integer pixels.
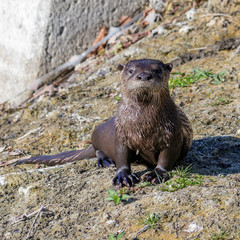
[{"x": 147, "y": 118}]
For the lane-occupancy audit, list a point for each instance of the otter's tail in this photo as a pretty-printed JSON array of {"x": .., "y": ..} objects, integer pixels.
[{"x": 61, "y": 158}]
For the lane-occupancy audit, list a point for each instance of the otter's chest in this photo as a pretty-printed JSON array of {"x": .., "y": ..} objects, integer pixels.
[{"x": 145, "y": 128}]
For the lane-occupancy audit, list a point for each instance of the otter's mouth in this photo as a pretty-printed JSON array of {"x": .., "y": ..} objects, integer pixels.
[{"x": 150, "y": 85}]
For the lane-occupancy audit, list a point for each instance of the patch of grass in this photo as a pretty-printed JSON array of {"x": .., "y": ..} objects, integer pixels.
[
  {"x": 183, "y": 172},
  {"x": 118, "y": 237},
  {"x": 222, "y": 235},
  {"x": 181, "y": 80},
  {"x": 221, "y": 101},
  {"x": 144, "y": 184},
  {"x": 113, "y": 196},
  {"x": 173, "y": 185},
  {"x": 197, "y": 74},
  {"x": 150, "y": 220}
]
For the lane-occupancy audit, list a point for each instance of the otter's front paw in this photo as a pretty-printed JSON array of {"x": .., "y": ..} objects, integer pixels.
[
  {"x": 125, "y": 177},
  {"x": 156, "y": 176}
]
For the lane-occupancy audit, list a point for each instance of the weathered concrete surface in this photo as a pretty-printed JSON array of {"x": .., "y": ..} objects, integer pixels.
[
  {"x": 22, "y": 29},
  {"x": 39, "y": 35}
]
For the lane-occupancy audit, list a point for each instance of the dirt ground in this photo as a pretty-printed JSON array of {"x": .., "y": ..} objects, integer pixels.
[{"x": 69, "y": 201}]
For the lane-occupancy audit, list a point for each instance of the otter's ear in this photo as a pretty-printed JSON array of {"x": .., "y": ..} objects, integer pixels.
[
  {"x": 169, "y": 66},
  {"x": 120, "y": 67}
]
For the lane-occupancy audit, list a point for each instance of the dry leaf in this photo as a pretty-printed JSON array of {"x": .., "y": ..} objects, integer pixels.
[
  {"x": 124, "y": 20},
  {"x": 101, "y": 35},
  {"x": 145, "y": 13}
]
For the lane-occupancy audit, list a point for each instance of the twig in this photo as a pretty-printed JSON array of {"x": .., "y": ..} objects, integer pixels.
[
  {"x": 196, "y": 49},
  {"x": 164, "y": 24},
  {"x": 142, "y": 230},
  {"x": 2, "y": 148},
  {"x": 234, "y": 53},
  {"x": 34, "y": 221},
  {"x": 24, "y": 217},
  {"x": 176, "y": 8},
  {"x": 216, "y": 15},
  {"x": 25, "y": 135}
]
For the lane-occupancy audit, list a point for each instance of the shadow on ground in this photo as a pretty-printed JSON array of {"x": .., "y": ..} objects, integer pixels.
[{"x": 215, "y": 155}]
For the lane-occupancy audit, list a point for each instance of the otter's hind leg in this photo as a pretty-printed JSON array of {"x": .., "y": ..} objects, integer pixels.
[{"x": 103, "y": 160}]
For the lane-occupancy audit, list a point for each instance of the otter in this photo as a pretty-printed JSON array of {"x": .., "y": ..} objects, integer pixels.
[{"x": 147, "y": 127}]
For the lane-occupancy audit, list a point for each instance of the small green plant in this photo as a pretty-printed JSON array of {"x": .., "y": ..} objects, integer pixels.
[
  {"x": 101, "y": 52},
  {"x": 119, "y": 46},
  {"x": 118, "y": 237},
  {"x": 182, "y": 171},
  {"x": 113, "y": 196},
  {"x": 144, "y": 184},
  {"x": 150, "y": 220},
  {"x": 218, "y": 78},
  {"x": 181, "y": 182},
  {"x": 221, "y": 101},
  {"x": 197, "y": 74},
  {"x": 118, "y": 98},
  {"x": 116, "y": 49},
  {"x": 181, "y": 80},
  {"x": 222, "y": 235}
]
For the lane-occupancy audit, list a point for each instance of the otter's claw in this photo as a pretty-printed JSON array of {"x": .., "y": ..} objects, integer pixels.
[
  {"x": 156, "y": 176},
  {"x": 125, "y": 177}
]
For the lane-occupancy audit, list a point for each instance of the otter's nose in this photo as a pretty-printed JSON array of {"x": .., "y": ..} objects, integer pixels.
[{"x": 144, "y": 76}]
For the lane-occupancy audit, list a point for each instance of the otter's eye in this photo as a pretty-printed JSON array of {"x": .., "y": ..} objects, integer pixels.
[{"x": 131, "y": 71}]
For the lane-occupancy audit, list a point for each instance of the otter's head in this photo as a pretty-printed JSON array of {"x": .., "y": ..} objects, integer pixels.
[{"x": 145, "y": 79}]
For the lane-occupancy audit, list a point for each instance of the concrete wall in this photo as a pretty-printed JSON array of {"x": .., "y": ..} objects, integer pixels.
[
  {"x": 22, "y": 32},
  {"x": 39, "y": 35}
]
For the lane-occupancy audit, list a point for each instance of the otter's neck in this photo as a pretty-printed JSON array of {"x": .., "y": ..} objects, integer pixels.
[{"x": 144, "y": 98}]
